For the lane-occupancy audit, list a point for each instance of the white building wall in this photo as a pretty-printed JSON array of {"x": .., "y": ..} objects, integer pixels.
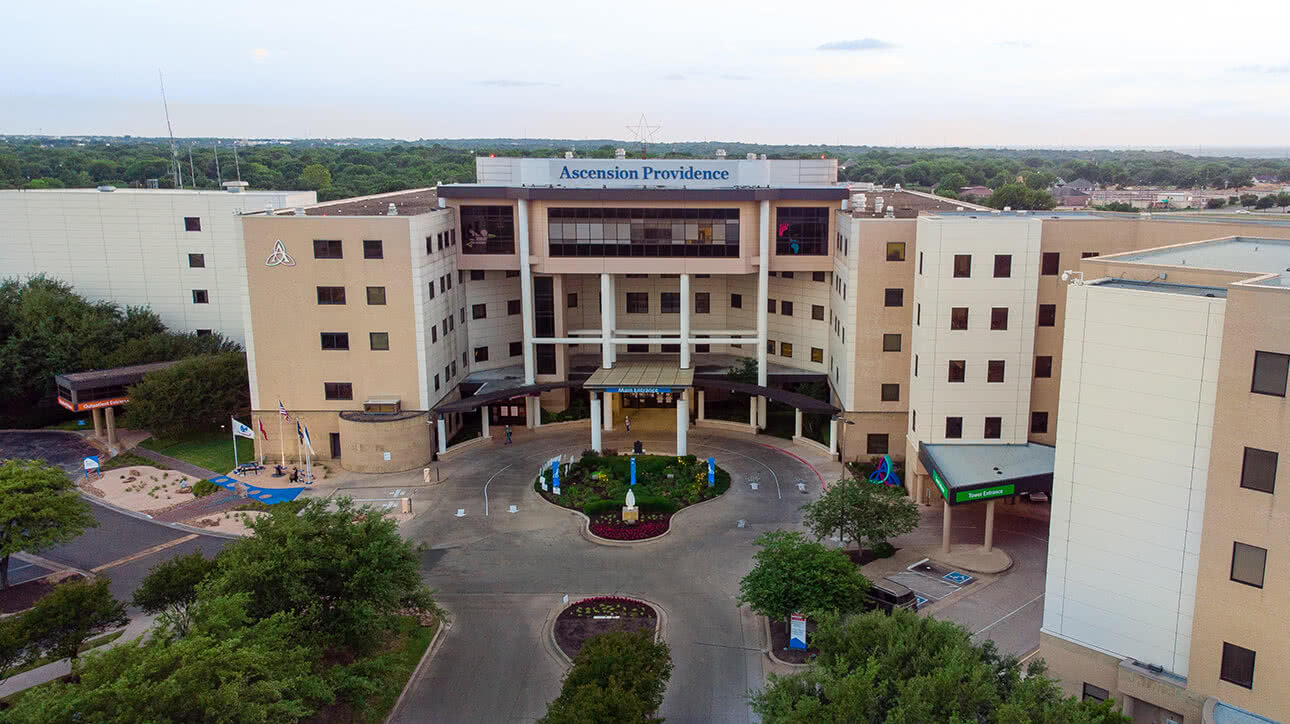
[
  {"x": 1139, "y": 378},
  {"x": 130, "y": 247},
  {"x": 436, "y": 358},
  {"x": 934, "y": 344},
  {"x": 497, "y": 330},
  {"x": 798, "y": 329},
  {"x": 840, "y": 353}
]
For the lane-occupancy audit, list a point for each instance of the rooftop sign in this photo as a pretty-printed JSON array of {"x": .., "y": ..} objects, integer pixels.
[{"x": 652, "y": 172}]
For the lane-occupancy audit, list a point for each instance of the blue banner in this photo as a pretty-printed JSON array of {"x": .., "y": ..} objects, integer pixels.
[
  {"x": 633, "y": 470},
  {"x": 555, "y": 476},
  {"x": 712, "y": 472}
]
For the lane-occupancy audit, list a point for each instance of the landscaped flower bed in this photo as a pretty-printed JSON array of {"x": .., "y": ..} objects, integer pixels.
[
  {"x": 598, "y": 615},
  {"x": 597, "y": 485}
]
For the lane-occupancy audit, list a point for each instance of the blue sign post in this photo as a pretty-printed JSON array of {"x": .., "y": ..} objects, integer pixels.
[
  {"x": 633, "y": 460},
  {"x": 555, "y": 476},
  {"x": 712, "y": 472}
]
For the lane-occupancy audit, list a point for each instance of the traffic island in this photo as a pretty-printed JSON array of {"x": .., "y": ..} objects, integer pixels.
[
  {"x": 601, "y": 614},
  {"x": 778, "y": 637}
]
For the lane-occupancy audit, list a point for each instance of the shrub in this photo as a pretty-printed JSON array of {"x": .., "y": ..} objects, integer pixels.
[
  {"x": 202, "y": 488},
  {"x": 884, "y": 550}
]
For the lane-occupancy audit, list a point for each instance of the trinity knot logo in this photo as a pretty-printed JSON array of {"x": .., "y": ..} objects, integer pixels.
[{"x": 279, "y": 257}]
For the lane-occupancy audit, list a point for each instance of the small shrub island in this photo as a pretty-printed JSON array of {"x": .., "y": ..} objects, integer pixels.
[
  {"x": 592, "y": 616},
  {"x": 597, "y": 485}
]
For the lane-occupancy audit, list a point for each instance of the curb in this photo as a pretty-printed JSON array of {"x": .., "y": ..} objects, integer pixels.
[
  {"x": 660, "y": 628},
  {"x": 801, "y": 460},
  {"x": 770, "y": 650},
  {"x": 144, "y": 516},
  {"x": 431, "y": 650}
]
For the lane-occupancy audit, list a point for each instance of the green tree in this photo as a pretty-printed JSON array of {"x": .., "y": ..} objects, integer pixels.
[
  {"x": 61, "y": 622},
  {"x": 618, "y": 676},
  {"x": 229, "y": 669},
  {"x": 793, "y": 574},
  {"x": 1121, "y": 206},
  {"x": 1019, "y": 196},
  {"x": 13, "y": 645},
  {"x": 191, "y": 395},
  {"x": 39, "y": 508},
  {"x": 1040, "y": 180},
  {"x": 1215, "y": 203},
  {"x": 1249, "y": 199},
  {"x": 1266, "y": 202},
  {"x": 905, "y": 668},
  {"x": 315, "y": 176},
  {"x": 170, "y": 590},
  {"x": 951, "y": 182},
  {"x": 745, "y": 371},
  {"x": 1283, "y": 199},
  {"x": 346, "y": 572},
  {"x": 861, "y": 511}
]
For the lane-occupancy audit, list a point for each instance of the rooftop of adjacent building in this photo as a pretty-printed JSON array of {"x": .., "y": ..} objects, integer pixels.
[
  {"x": 125, "y": 191},
  {"x": 1192, "y": 290},
  {"x": 410, "y": 202},
  {"x": 905, "y": 204},
  {"x": 1233, "y": 253}
]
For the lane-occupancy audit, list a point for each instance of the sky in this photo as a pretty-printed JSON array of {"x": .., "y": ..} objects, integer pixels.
[{"x": 928, "y": 73}]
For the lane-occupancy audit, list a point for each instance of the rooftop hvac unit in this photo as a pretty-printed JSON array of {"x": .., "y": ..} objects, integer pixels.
[
  {"x": 891, "y": 212},
  {"x": 299, "y": 211},
  {"x": 877, "y": 205},
  {"x": 752, "y": 157},
  {"x": 721, "y": 153},
  {"x": 620, "y": 153},
  {"x": 105, "y": 188},
  {"x": 568, "y": 154},
  {"x": 392, "y": 210},
  {"x": 763, "y": 157}
]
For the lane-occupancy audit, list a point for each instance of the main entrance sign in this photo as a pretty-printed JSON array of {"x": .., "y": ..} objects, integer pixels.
[{"x": 639, "y": 390}]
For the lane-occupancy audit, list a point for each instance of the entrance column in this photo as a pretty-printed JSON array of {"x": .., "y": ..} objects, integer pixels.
[
  {"x": 989, "y": 525},
  {"x": 110, "y": 414},
  {"x": 606, "y": 321},
  {"x": 763, "y": 295},
  {"x": 945, "y": 528},
  {"x": 682, "y": 423},
  {"x": 833, "y": 435},
  {"x": 526, "y": 293},
  {"x": 701, "y": 403},
  {"x": 797, "y": 422},
  {"x": 752, "y": 414},
  {"x": 97, "y": 414},
  {"x": 595, "y": 423},
  {"x": 483, "y": 421},
  {"x": 608, "y": 400},
  {"x": 442, "y": 436},
  {"x": 685, "y": 322}
]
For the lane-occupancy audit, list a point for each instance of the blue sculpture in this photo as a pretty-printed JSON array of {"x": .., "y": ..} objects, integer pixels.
[{"x": 885, "y": 474}]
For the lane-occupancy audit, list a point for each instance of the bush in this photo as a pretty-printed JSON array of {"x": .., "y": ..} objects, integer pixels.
[
  {"x": 884, "y": 550},
  {"x": 203, "y": 488}
]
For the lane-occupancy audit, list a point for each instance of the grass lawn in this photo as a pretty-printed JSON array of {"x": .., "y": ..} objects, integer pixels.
[
  {"x": 404, "y": 649},
  {"x": 210, "y": 450},
  {"x": 92, "y": 643},
  {"x": 72, "y": 425},
  {"x": 129, "y": 460}
]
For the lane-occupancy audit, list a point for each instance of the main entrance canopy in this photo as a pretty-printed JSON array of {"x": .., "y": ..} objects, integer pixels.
[{"x": 641, "y": 377}]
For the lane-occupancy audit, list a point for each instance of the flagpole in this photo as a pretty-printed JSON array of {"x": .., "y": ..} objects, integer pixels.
[
  {"x": 282, "y": 442},
  {"x": 234, "y": 429}
]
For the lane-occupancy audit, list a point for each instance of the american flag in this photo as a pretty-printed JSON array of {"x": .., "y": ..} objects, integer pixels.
[{"x": 283, "y": 411}]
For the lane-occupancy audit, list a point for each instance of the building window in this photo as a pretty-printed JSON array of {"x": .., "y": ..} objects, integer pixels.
[
  {"x": 876, "y": 444},
  {"x": 786, "y": 275},
  {"x": 436, "y": 377},
  {"x": 770, "y": 306},
  {"x": 962, "y": 266},
  {"x": 512, "y": 307},
  {"x": 801, "y": 230},
  {"x": 376, "y": 295},
  {"x": 1002, "y": 266},
  {"x": 918, "y": 314},
  {"x": 895, "y": 251},
  {"x": 637, "y": 348},
  {"x": 373, "y": 249},
  {"x": 1038, "y": 423},
  {"x": 429, "y": 245},
  {"x": 1248, "y": 563},
  {"x": 338, "y": 391},
  {"x": 958, "y": 318},
  {"x": 1259, "y": 470},
  {"x": 817, "y": 276},
  {"x": 192, "y": 223},
  {"x": 203, "y": 333},
  {"x": 890, "y": 392},
  {"x": 994, "y": 371},
  {"x": 477, "y": 275},
  {"x": 432, "y": 290},
  {"x": 915, "y": 365},
  {"x": 1051, "y": 264},
  {"x": 335, "y": 340},
  {"x": 512, "y": 274},
  {"x": 1238, "y": 665},
  {"x": 817, "y": 312},
  {"x": 785, "y": 349},
  {"x": 479, "y": 311},
  {"x": 817, "y": 355},
  {"x": 1047, "y": 315},
  {"x": 1094, "y": 693},
  {"x": 379, "y": 341},
  {"x": 894, "y": 298},
  {"x": 434, "y": 333},
  {"x": 702, "y": 303},
  {"x": 1270, "y": 369},
  {"x": 702, "y": 347},
  {"x": 573, "y": 300},
  {"x": 953, "y": 428},
  {"x": 770, "y": 346},
  {"x": 998, "y": 318},
  {"x": 481, "y": 354},
  {"x": 643, "y": 232},
  {"x": 1087, "y": 254},
  {"x": 669, "y": 302},
  {"x": 1044, "y": 366},
  {"x": 786, "y": 308},
  {"x": 517, "y": 349},
  {"x": 327, "y": 249},
  {"x": 920, "y": 263},
  {"x": 201, "y": 296},
  {"x": 993, "y": 428},
  {"x": 913, "y": 420},
  {"x": 196, "y": 261},
  {"x": 488, "y": 229},
  {"x": 891, "y": 343},
  {"x": 637, "y": 303},
  {"x": 736, "y": 301},
  {"x": 958, "y": 370}
]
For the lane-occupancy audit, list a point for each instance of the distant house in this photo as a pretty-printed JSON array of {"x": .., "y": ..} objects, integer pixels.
[
  {"x": 1068, "y": 195},
  {"x": 977, "y": 191},
  {"x": 1269, "y": 179},
  {"x": 1082, "y": 184}
]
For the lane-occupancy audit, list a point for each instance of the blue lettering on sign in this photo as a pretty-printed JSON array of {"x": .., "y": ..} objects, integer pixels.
[{"x": 645, "y": 173}]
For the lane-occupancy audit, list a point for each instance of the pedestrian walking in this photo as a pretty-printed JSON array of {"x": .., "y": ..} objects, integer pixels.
[
  {"x": 295, "y": 475},
  {"x": 508, "y": 434},
  {"x": 628, "y": 422}
]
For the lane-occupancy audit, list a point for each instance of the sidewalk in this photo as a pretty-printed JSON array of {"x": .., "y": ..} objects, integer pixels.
[{"x": 137, "y": 627}]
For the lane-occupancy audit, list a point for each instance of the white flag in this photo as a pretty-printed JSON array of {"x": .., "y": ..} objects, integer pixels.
[
  {"x": 308, "y": 444},
  {"x": 242, "y": 430}
]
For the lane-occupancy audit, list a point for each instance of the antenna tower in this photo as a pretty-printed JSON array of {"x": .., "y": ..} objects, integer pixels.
[
  {"x": 174, "y": 155},
  {"x": 219, "y": 179},
  {"x": 644, "y": 132}
]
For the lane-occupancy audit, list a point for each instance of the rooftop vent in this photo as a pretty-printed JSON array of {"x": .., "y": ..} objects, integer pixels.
[
  {"x": 268, "y": 209},
  {"x": 568, "y": 154},
  {"x": 752, "y": 157},
  {"x": 721, "y": 153},
  {"x": 996, "y": 212},
  {"x": 958, "y": 208},
  {"x": 392, "y": 210},
  {"x": 897, "y": 187},
  {"x": 1007, "y": 208},
  {"x": 891, "y": 212},
  {"x": 620, "y": 153},
  {"x": 763, "y": 157},
  {"x": 106, "y": 189},
  {"x": 298, "y": 211},
  {"x": 235, "y": 187}
]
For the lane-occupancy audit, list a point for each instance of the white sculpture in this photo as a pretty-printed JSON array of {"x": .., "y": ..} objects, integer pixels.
[{"x": 631, "y": 499}]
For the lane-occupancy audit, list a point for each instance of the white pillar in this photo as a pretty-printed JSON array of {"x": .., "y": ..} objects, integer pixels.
[
  {"x": 989, "y": 525},
  {"x": 526, "y": 294},
  {"x": 701, "y": 404},
  {"x": 752, "y": 413},
  {"x": 833, "y": 435},
  {"x": 483, "y": 420},
  {"x": 797, "y": 422},
  {"x": 97, "y": 414},
  {"x": 606, "y": 329},
  {"x": 595, "y": 423},
  {"x": 535, "y": 412},
  {"x": 610, "y": 306},
  {"x": 682, "y": 423},
  {"x": 109, "y": 416},
  {"x": 763, "y": 296},
  {"x": 442, "y": 436},
  {"x": 607, "y": 398},
  {"x": 685, "y": 321},
  {"x": 945, "y": 528}
]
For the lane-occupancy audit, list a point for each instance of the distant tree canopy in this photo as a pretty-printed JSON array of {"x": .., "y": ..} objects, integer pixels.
[
  {"x": 1020, "y": 196},
  {"x": 197, "y": 393}
]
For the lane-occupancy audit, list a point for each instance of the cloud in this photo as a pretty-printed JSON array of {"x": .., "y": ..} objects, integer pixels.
[
  {"x": 1270, "y": 69},
  {"x": 1013, "y": 44},
  {"x": 861, "y": 44},
  {"x": 734, "y": 76},
  {"x": 259, "y": 54},
  {"x": 673, "y": 76},
  {"x": 510, "y": 83}
]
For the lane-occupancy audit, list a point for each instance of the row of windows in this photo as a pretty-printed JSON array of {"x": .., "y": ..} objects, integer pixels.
[
  {"x": 336, "y": 295},
  {"x": 1050, "y": 263},
  {"x": 815, "y": 276},
  {"x": 340, "y": 340},
  {"x": 334, "y": 249},
  {"x": 786, "y": 350},
  {"x": 958, "y": 368},
  {"x": 440, "y": 241}
]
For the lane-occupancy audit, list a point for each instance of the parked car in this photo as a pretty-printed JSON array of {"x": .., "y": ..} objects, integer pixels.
[{"x": 888, "y": 595}]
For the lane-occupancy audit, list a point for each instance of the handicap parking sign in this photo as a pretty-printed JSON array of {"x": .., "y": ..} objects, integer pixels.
[{"x": 959, "y": 578}]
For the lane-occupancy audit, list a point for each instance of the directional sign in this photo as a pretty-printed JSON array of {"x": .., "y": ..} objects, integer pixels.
[
  {"x": 633, "y": 461},
  {"x": 971, "y": 496},
  {"x": 712, "y": 472},
  {"x": 797, "y": 634}
]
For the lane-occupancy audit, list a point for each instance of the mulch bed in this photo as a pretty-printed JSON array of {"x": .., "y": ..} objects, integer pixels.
[
  {"x": 22, "y": 596},
  {"x": 779, "y": 643},
  {"x": 861, "y": 558},
  {"x": 578, "y": 622},
  {"x": 611, "y": 526}
]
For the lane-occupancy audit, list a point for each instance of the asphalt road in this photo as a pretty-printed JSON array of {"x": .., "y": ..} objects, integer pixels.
[{"x": 64, "y": 449}]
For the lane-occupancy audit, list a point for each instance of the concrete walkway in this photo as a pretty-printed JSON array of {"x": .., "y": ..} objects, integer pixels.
[{"x": 138, "y": 626}]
